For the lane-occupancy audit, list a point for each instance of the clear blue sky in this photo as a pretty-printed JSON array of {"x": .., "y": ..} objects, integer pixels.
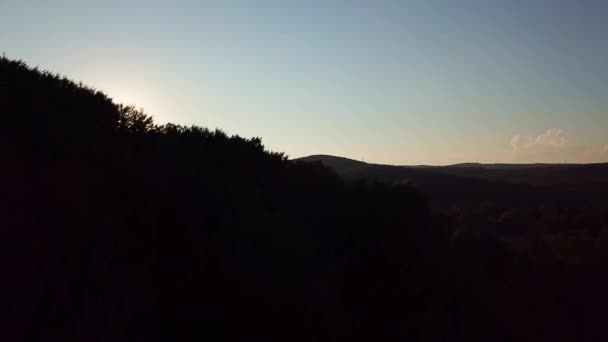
[{"x": 401, "y": 82}]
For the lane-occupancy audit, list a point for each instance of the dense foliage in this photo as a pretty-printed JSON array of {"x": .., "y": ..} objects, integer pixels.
[{"x": 119, "y": 229}]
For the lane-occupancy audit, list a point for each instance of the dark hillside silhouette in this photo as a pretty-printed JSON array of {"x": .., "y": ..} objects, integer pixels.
[
  {"x": 119, "y": 229},
  {"x": 116, "y": 228},
  {"x": 474, "y": 183},
  {"x": 530, "y": 237}
]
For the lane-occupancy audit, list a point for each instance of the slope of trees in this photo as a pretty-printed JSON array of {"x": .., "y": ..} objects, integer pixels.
[
  {"x": 119, "y": 229},
  {"x": 116, "y": 228}
]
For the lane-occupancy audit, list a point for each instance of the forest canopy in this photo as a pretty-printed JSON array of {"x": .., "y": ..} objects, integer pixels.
[{"x": 118, "y": 228}]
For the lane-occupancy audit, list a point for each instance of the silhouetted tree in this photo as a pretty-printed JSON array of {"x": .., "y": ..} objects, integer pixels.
[{"x": 116, "y": 228}]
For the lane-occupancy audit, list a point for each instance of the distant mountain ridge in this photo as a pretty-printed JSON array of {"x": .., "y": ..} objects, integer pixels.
[
  {"x": 476, "y": 182},
  {"x": 337, "y": 161}
]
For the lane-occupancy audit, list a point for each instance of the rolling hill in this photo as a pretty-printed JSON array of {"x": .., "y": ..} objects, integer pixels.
[{"x": 469, "y": 183}]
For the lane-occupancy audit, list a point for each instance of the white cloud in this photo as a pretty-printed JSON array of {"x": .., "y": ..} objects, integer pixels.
[
  {"x": 553, "y": 146},
  {"x": 553, "y": 139}
]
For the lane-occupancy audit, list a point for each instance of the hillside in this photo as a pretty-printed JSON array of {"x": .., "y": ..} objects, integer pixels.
[
  {"x": 338, "y": 164},
  {"x": 119, "y": 229},
  {"x": 116, "y": 228},
  {"x": 511, "y": 184}
]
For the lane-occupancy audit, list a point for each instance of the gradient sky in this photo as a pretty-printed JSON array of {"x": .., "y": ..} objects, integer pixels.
[{"x": 400, "y": 82}]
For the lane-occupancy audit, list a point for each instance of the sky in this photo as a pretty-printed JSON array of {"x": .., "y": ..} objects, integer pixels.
[{"x": 397, "y": 82}]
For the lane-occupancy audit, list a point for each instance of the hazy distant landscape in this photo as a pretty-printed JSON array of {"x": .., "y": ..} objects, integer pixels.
[{"x": 472, "y": 183}]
